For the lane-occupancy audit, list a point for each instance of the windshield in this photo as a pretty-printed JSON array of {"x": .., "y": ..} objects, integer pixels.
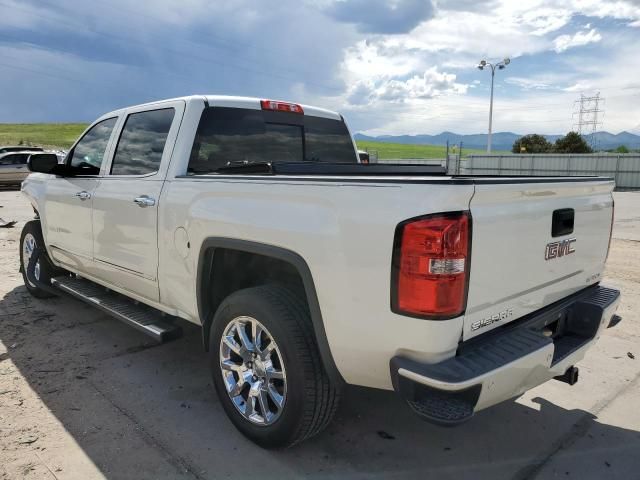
[{"x": 232, "y": 136}]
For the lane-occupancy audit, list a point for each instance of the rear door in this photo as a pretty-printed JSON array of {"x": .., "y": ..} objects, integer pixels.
[
  {"x": 125, "y": 204},
  {"x": 534, "y": 244}
]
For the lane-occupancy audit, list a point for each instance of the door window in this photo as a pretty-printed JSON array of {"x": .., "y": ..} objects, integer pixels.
[
  {"x": 20, "y": 158},
  {"x": 88, "y": 154},
  {"x": 142, "y": 142},
  {"x": 15, "y": 159}
]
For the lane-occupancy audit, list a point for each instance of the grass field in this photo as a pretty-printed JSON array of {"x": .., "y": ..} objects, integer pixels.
[
  {"x": 62, "y": 135},
  {"x": 401, "y": 150},
  {"x": 49, "y": 135}
]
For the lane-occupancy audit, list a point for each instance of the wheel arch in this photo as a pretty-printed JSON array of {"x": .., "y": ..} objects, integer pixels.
[{"x": 207, "y": 305}]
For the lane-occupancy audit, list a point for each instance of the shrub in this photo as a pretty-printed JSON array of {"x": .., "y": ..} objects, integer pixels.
[{"x": 533, "y": 143}]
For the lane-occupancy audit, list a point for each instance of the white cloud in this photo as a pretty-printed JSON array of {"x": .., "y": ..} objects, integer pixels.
[
  {"x": 528, "y": 83},
  {"x": 580, "y": 86},
  {"x": 430, "y": 84},
  {"x": 388, "y": 91},
  {"x": 565, "y": 42},
  {"x": 545, "y": 20}
]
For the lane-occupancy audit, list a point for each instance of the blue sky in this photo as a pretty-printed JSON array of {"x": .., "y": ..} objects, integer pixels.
[{"x": 391, "y": 67}]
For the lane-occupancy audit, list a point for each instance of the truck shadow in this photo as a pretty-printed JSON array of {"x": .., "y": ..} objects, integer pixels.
[{"x": 115, "y": 391}]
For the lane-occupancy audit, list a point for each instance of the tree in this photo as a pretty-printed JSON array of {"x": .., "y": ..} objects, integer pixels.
[
  {"x": 622, "y": 149},
  {"x": 572, "y": 142},
  {"x": 533, "y": 143}
]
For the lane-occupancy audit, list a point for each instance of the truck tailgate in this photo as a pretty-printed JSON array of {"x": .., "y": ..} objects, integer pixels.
[{"x": 519, "y": 264}]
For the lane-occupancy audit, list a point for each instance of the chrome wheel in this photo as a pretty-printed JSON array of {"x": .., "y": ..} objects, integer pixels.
[
  {"x": 253, "y": 371},
  {"x": 28, "y": 246}
]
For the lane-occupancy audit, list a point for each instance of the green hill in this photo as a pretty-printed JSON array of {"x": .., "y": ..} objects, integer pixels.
[
  {"x": 50, "y": 135},
  {"x": 401, "y": 150}
]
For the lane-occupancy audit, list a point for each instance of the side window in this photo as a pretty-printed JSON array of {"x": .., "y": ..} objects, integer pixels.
[
  {"x": 14, "y": 159},
  {"x": 88, "y": 154},
  {"x": 20, "y": 159},
  {"x": 142, "y": 142}
]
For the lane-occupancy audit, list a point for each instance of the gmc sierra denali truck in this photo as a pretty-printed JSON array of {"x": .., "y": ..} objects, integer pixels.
[{"x": 308, "y": 269}]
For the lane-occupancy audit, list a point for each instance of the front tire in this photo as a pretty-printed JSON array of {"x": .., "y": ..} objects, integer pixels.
[
  {"x": 43, "y": 270},
  {"x": 267, "y": 369}
]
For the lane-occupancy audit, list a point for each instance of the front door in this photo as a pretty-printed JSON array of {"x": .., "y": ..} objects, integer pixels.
[
  {"x": 125, "y": 204},
  {"x": 66, "y": 220}
]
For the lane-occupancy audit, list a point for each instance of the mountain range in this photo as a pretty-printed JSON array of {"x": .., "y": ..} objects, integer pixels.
[{"x": 499, "y": 140}]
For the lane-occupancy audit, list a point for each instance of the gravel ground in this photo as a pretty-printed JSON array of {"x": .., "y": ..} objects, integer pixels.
[{"x": 85, "y": 397}]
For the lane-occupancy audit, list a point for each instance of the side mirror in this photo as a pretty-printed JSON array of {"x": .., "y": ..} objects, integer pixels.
[
  {"x": 364, "y": 157},
  {"x": 44, "y": 163}
]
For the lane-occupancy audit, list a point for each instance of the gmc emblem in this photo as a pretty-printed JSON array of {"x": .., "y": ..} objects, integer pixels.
[{"x": 559, "y": 249}]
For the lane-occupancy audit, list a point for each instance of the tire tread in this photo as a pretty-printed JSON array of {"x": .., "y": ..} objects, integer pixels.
[{"x": 322, "y": 397}]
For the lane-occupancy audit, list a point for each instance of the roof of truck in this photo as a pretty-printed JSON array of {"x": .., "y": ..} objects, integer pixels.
[{"x": 237, "y": 102}]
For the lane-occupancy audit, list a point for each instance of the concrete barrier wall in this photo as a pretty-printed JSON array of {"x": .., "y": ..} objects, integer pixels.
[{"x": 624, "y": 168}]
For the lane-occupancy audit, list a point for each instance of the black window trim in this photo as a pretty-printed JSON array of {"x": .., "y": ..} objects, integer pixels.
[{"x": 125, "y": 117}]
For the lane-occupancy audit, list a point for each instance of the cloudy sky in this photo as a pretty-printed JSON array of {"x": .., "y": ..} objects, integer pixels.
[{"x": 390, "y": 66}]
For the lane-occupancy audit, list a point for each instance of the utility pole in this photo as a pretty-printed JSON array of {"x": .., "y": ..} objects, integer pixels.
[
  {"x": 500, "y": 66},
  {"x": 493, "y": 74},
  {"x": 588, "y": 113},
  {"x": 447, "y": 157}
]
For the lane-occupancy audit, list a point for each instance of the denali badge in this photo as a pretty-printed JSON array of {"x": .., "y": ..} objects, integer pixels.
[
  {"x": 492, "y": 319},
  {"x": 559, "y": 249}
]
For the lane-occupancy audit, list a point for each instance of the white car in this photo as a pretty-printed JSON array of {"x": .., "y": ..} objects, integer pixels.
[{"x": 307, "y": 269}]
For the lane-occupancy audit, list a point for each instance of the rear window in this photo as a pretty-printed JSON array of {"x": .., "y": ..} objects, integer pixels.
[{"x": 234, "y": 136}]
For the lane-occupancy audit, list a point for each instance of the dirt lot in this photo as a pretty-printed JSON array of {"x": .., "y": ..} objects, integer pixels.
[{"x": 85, "y": 397}]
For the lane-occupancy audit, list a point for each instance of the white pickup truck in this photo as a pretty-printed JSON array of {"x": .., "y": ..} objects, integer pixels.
[{"x": 308, "y": 269}]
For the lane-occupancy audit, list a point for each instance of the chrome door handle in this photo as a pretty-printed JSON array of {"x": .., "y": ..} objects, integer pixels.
[
  {"x": 144, "y": 201},
  {"x": 83, "y": 195}
]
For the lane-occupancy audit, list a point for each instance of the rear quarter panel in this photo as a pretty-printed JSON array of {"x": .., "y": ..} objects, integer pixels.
[{"x": 343, "y": 230}]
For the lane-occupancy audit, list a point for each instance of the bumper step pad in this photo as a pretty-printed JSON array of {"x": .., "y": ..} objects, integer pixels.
[
  {"x": 142, "y": 317},
  {"x": 442, "y": 409}
]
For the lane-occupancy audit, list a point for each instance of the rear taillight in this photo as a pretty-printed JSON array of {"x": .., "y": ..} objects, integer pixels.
[
  {"x": 430, "y": 266},
  {"x": 281, "y": 106}
]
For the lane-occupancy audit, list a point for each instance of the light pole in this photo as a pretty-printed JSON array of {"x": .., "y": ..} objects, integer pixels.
[{"x": 500, "y": 65}]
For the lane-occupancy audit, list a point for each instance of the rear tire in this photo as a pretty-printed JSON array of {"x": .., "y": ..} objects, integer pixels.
[
  {"x": 44, "y": 270},
  {"x": 299, "y": 399}
]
